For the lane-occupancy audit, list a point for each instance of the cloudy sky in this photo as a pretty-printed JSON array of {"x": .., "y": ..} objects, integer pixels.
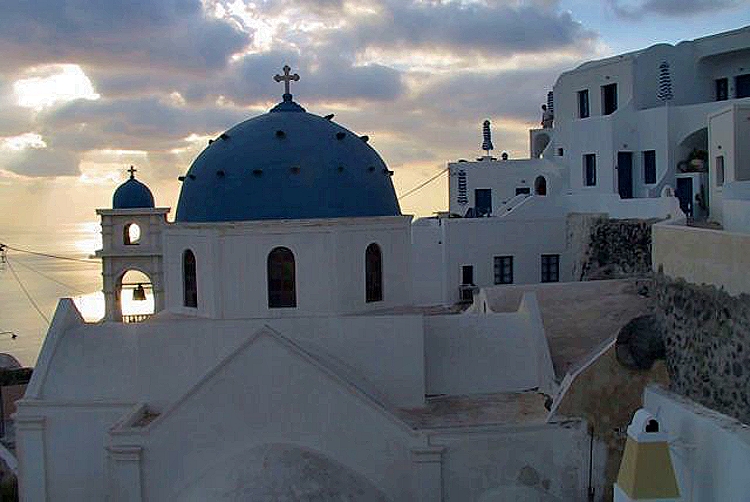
[{"x": 90, "y": 87}]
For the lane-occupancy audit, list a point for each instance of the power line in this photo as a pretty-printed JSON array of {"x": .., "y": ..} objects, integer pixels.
[
  {"x": 26, "y": 292},
  {"x": 48, "y": 277},
  {"x": 423, "y": 184},
  {"x": 47, "y": 255}
]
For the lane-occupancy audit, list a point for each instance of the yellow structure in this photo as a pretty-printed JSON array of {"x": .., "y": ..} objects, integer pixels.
[{"x": 646, "y": 471}]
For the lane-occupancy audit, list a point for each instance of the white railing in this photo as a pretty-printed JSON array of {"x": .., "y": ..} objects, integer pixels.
[{"x": 134, "y": 318}]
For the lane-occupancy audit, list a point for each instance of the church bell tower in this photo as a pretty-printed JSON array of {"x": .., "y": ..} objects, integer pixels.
[{"x": 131, "y": 240}]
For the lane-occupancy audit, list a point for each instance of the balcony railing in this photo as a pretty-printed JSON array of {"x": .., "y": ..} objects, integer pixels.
[{"x": 132, "y": 318}]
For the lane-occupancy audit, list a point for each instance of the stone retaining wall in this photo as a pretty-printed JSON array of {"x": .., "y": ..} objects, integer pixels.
[
  {"x": 707, "y": 338},
  {"x": 605, "y": 248}
]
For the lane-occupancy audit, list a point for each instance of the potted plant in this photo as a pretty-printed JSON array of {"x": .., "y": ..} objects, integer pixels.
[{"x": 697, "y": 160}]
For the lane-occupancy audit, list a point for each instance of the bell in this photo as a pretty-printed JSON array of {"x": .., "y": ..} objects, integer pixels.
[{"x": 139, "y": 293}]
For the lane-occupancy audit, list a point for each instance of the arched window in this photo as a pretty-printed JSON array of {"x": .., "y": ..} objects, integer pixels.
[
  {"x": 373, "y": 274},
  {"x": 540, "y": 185},
  {"x": 282, "y": 286},
  {"x": 131, "y": 234},
  {"x": 189, "y": 279}
]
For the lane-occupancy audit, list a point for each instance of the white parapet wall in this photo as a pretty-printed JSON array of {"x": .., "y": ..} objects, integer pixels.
[
  {"x": 702, "y": 256},
  {"x": 710, "y": 451},
  {"x": 736, "y": 207},
  {"x": 482, "y": 353}
]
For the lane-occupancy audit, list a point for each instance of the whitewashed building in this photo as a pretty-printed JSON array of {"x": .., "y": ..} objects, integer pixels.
[
  {"x": 629, "y": 133},
  {"x": 286, "y": 359}
]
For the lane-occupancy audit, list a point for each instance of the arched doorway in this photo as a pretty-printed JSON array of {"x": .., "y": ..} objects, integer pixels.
[
  {"x": 135, "y": 294},
  {"x": 540, "y": 185}
]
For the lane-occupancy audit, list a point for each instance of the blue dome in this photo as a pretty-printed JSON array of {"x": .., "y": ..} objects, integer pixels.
[
  {"x": 286, "y": 164},
  {"x": 132, "y": 194}
]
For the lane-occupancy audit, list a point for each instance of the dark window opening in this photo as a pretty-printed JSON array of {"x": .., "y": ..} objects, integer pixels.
[
  {"x": 719, "y": 170},
  {"x": 503, "y": 270},
  {"x": 722, "y": 89},
  {"x": 649, "y": 167},
  {"x": 540, "y": 185},
  {"x": 652, "y": 426},
  {"x": 189, "y": 280},
  {"x": 523, "y": 190},
  {"x": 742, "y": 86},
  {"x": 609, "y": 99},
  {"x": 373, "y": 274},
  {"x": 467, "y": 275},
  {"x": 560, "y": 152},
  {"x": 282, "y": 287},
  {"x": 583, "y": 104},
  {"x": 589, "y": 169},
  {"x": 550, "y": 268},
  {"x": 483, "y": 201}
]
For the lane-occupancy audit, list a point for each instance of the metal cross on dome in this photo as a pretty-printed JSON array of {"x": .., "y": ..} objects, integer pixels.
[
  {"x": 286, "y": 78},
  {"x": 132, "y": 171}
]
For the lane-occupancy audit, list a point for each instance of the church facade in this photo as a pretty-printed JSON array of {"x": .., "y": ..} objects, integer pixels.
[{"x": 287, "y": 358}]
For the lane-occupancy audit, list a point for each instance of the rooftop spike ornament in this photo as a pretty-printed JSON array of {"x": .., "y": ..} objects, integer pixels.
[{"x": 487, "y": 134}]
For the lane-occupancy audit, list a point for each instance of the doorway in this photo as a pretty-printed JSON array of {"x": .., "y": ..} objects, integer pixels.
[
  {"x": 625, "y": 174},
  {"x": 483, "y": 201},
  {"x": 684, "y": 193}
]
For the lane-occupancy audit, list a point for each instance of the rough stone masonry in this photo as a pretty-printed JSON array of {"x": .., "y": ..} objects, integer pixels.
[{"x": 707, "y": 338}]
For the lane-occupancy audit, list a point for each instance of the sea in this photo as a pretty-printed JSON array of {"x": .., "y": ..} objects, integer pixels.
[{"x": 29, "y": 296}]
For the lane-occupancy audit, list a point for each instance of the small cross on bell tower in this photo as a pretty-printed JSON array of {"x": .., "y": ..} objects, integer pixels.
[{"x": 287, "y": 78}]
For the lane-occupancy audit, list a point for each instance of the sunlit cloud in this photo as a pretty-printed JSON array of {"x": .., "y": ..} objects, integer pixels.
[
  {"x": 52, "y": 85},
  {"x": 22, "y": 142}
]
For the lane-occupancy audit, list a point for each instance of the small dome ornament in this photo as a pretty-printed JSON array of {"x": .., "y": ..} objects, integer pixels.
[{"x": 132, "y": 194}]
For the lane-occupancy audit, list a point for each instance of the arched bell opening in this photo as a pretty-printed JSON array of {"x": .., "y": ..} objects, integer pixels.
[
  {"x": 135, "y": 294},
  {"x": 131, "y": 234}
]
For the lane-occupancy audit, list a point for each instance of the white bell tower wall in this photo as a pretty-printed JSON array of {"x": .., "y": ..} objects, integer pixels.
[{"x": 131, "y": 240}]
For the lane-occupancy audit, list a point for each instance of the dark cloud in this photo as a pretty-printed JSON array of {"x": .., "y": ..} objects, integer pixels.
[
  {"x": 132, "y": 124},
  {"x": 515, "y": 95},
  {"x": 676, "y": 8},
  {"x": 497, "y": 27},
  {"x": 43, "y": 162},
  {"x": 128, "y": 124},
  {"x": 138, "y": 53},
  {"x": 327, "y": 77},
  {"x": 165, "y": 33}
]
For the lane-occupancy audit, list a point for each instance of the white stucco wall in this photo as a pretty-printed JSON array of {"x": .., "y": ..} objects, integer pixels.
[
  {"x": 702, "y": 256},
  {"x": 544, "y": 462},
  {"x": 88, "y": 376},
  {"x": 710, "y": 451},
  {"x": 736, "y": 207},
  {"x": 478, "y": 353},
  {"x": 156, "y": 361},
  {"x": 502, "y": 177},
  {"x": 265, "y": 394},
  {"x": 329, "y": 263},
  {"x": 443, "y": 246}
]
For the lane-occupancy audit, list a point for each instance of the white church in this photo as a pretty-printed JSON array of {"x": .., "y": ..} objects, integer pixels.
[
  {"x": 306, "y": 344},
  {"x": 287, "y": 359}
]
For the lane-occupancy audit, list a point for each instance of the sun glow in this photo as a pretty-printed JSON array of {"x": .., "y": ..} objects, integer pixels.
[{"x": 53, "y": 84}]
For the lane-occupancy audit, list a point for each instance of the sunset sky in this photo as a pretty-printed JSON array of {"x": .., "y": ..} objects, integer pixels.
[{"x": 89, "y": 87}]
